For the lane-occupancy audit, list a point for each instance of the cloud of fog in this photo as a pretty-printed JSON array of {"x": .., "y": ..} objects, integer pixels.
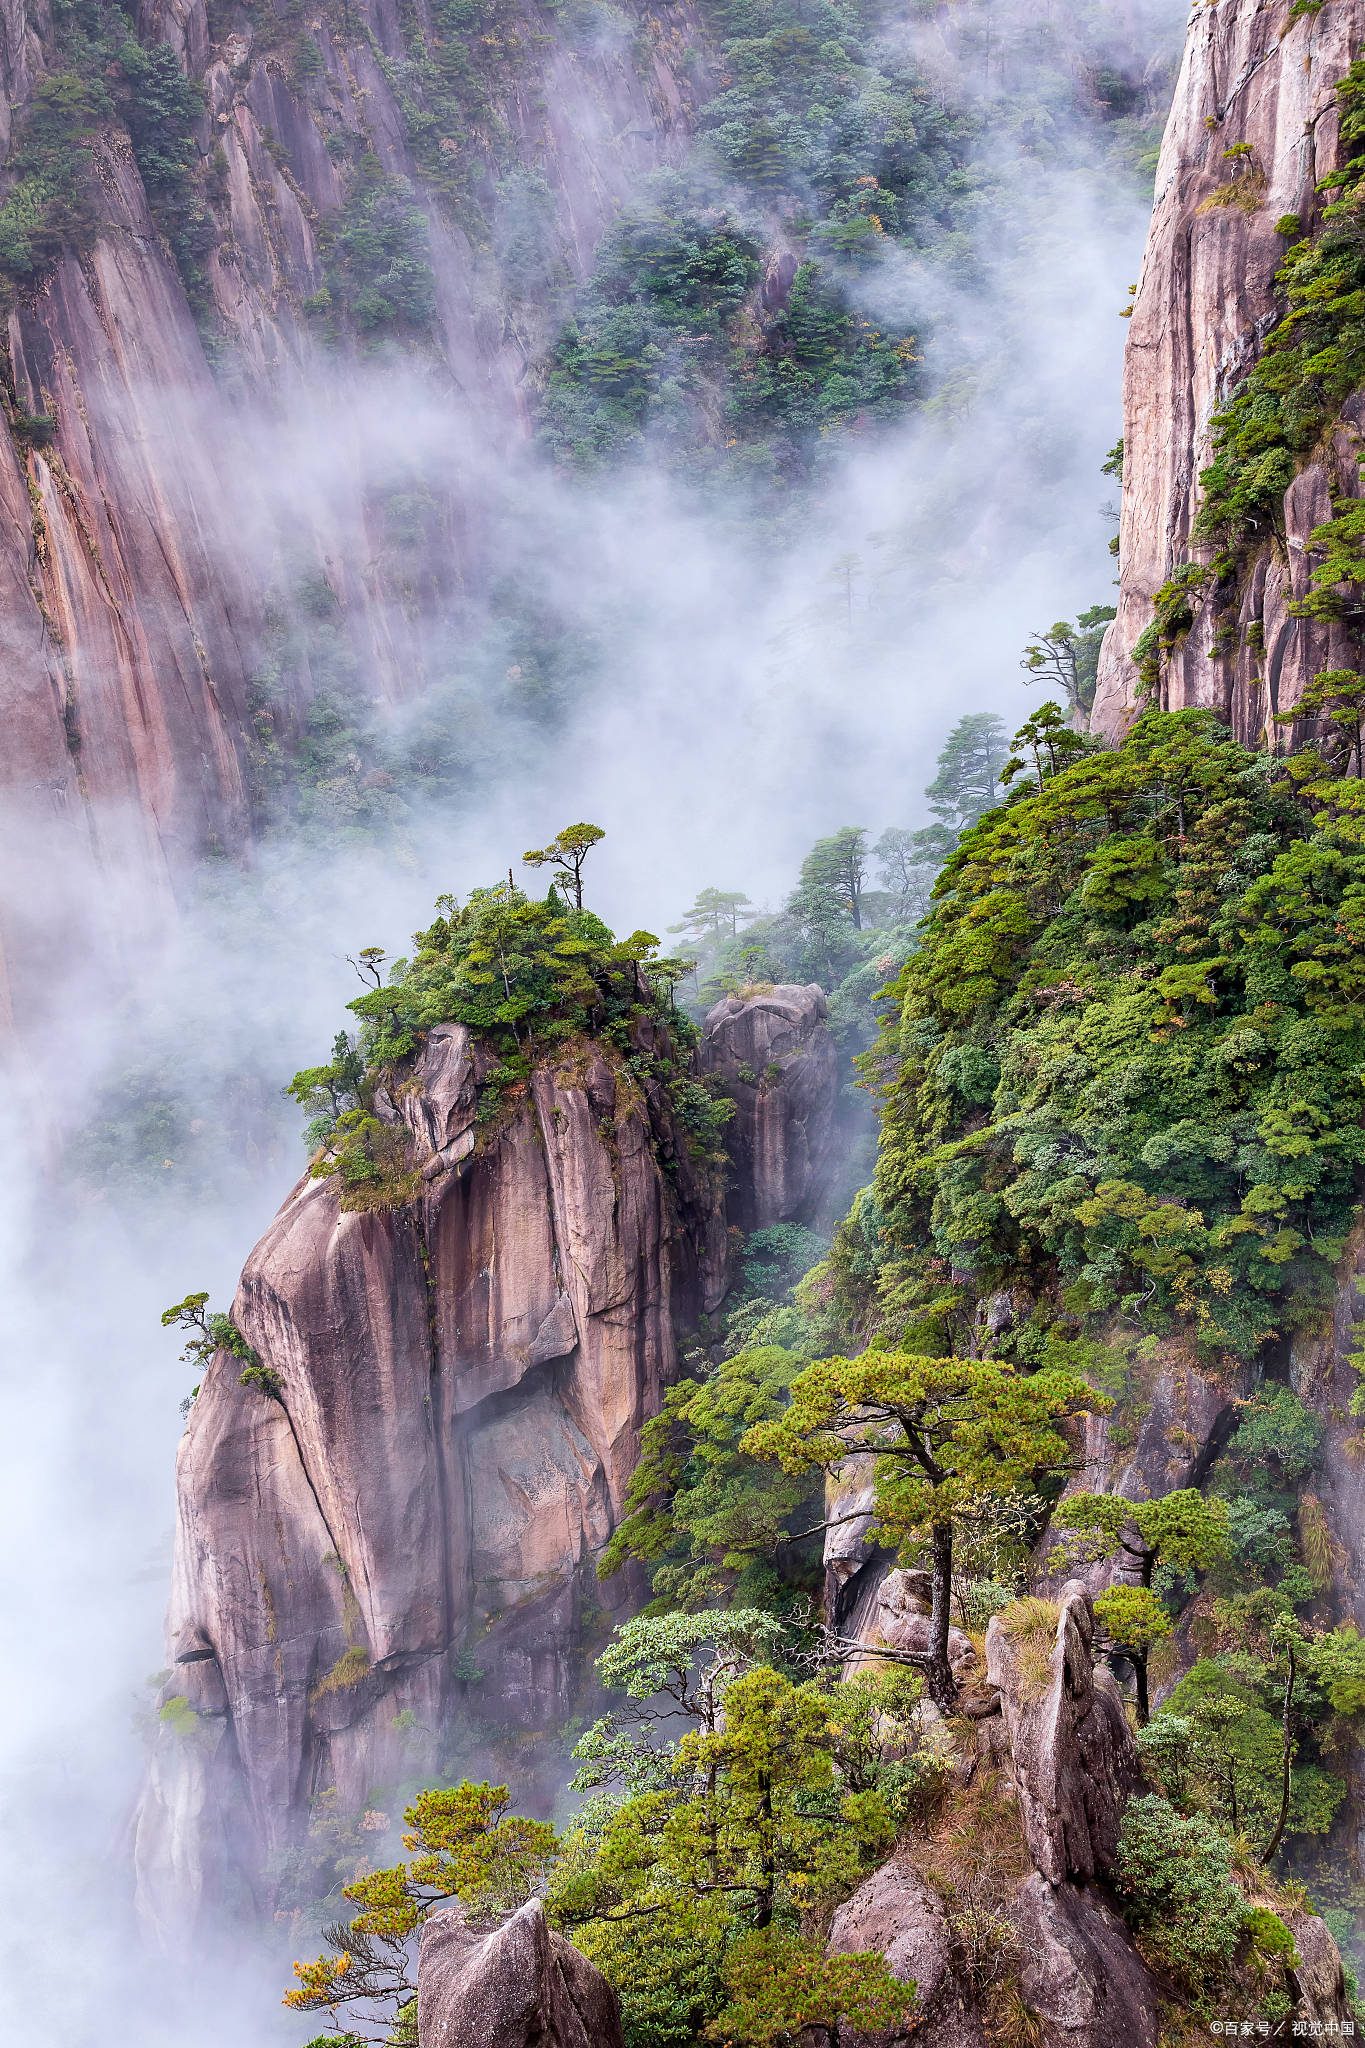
[{"x": 745, "y": 701}]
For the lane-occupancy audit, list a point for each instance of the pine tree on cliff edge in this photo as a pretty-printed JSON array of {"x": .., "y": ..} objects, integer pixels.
[{"x": 946, "y": 1434}]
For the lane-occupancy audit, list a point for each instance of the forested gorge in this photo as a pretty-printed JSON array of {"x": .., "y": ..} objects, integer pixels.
[{"x": 791, "y": 1480}]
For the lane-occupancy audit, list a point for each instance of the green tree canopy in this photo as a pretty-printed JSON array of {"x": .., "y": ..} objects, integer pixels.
[
  {"x": 945, "y": 1433},
  {"x": 1157, "y": 956},
  {"x": 839, "y": 864},
  {"x": 715, "y": 913},
  {"x": 763, "y": 1806},
  {"x": 1135, "y": 1620},
  {"x": 968, "y": 780},
  {"x": 525, "y": 976},
  {"x": 706, "y": 1517},
  {"x": 566, "y": 854},
  {"x": 1182, "y": 1530}
]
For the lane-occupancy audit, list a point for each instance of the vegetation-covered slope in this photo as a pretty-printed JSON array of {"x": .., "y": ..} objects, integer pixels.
[
  {"x": 1122, "y": 1069},
  {"x": 1120, "y": 1072}
]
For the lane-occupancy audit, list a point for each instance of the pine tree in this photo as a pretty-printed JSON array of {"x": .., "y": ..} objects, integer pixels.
[{"x": 968, "y": 779}]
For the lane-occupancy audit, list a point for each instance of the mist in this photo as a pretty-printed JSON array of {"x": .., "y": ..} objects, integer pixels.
[{"x": 743, "y": 700}]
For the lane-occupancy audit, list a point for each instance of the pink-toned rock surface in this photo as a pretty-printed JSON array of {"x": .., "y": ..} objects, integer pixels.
[
  {"x": 1253, "y": 78},
  {"x": 894, "y": 1614},
  {"x": 1075, "y": 1760},
  {"x": 518, "y": 1987},
  {"x": 775, "y": 1057},
  {"x": 462, "y": 1386},
  {"x": 899, "y": 1914},
  {"x": 143, "y": 543}
]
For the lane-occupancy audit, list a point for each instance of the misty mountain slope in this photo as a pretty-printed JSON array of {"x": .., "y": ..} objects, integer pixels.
[
  {"x": 156, "y": 223},
  {"x": 215, "y": 226},
  {"x": 391, "y": 546},
  {"x": 1080, "y": 1371}
]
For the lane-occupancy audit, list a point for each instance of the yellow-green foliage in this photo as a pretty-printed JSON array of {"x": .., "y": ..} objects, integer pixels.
[
  {"x": 760, "y": 1819},
  {"x": 1134, "y": 1617},
  {"x": 1270, "y": 1937},
  {"x": 351, "y": 1666},
  {"x": 1031, "y": 1626},
  {"x": 1315, "y": 1537},
  {"x": 530, "y": 979},
  {"x": 178, "y": 1716}
]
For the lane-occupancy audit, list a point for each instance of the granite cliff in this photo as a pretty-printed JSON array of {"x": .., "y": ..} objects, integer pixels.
[
  {"x": 402, "y": 1531},
  {"x": 143, "y": 543},
  {"x": 1253, "y": 136}
]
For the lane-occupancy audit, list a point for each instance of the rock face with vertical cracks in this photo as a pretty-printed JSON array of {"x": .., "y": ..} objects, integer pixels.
[
  {"x": 1257, "y": 81},
  {"x": 776, "y": 1060},
  {"x": 154, "y": 516},
  {"x": 411, "y": 1526},
  {"x": 1075, "y": 1760},
  {"x": 518, "y": 1987}
]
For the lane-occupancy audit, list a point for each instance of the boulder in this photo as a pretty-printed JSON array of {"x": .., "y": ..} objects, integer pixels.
[
  {"x": 518, "y": 1987},
  {"x": 773, "y": 1054},
  {"x": 900, "y": 1915},
  {"x": 1080, "y": 1972},
  {"x": 1319, "y": 1982},
  {"x": 895, "y": 1615},
  {"x": 1075, "y": 1760},
  {"x": 1077, "y": 1969}
]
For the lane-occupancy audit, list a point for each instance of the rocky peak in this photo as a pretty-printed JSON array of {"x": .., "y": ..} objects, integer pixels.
[
  {"x": 461, "y": 1383},
  {"x": 408, "y": 1526},
  {"x": 1075, "y": 1760},
  {"x": 1051, "y": 1764}
]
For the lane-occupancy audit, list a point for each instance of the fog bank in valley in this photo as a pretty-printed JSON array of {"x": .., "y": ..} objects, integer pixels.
[{"x": 743, "y": 700}]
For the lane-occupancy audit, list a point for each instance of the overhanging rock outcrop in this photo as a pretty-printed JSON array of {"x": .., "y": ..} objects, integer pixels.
[
  {"x": 410, "y": 1528},
  {"x": 403, "y": 1535}
]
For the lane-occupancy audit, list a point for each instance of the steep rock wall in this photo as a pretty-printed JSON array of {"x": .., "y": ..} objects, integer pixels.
[
  {"x": 1331, "y": 1508},
  {"x": 140, "y": 532},
  {"x": 774, "y": 1056},
  {"x": 461, "y": 1386},
  {"x": 1254, "y": 78},
  {"x": 405, "y": 1539}
]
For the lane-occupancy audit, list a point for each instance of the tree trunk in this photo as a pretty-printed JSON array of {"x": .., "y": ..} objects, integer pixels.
[
  {"x": 942, "y": 1688},
  {"x": 764, "y": 1916},
  {"x": 1285, "y": 1770}
]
